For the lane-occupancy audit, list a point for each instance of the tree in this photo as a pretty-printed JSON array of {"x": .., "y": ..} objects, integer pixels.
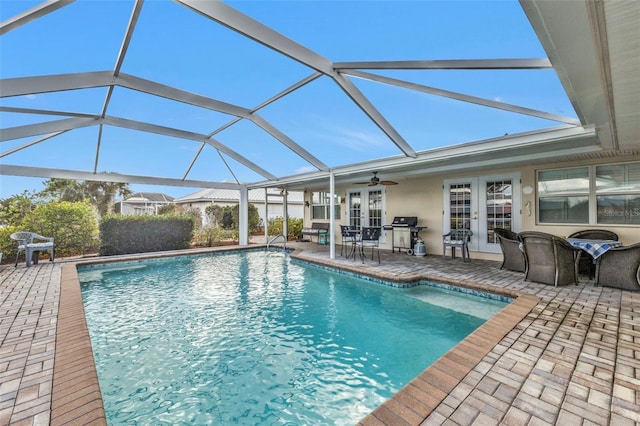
[
  {"x": 180, "y": 210},
  {"x": 14, "y": 209},
  {"x": 215, "y": 214},
  {"x": 231, "y": 217},
  {"x": 228, "y": 218},
  {"x": 100, "y": 194},
  {"x": 167, "y": 209}
]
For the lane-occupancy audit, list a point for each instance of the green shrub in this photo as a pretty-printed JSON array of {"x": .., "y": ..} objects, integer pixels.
[
  {"x": 8, "y": 247},
  {"x": 73, "y": 225},
  {"x": 294, "y": 226},
  {"x": 142, "y": 234},
  {"x": 214, "y": 235}
]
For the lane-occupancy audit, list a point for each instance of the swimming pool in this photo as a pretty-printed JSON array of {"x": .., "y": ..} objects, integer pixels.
[{"x": 256, "y": 338}]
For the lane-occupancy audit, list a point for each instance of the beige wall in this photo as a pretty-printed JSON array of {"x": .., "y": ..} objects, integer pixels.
[{"x": 423, "y": 197}]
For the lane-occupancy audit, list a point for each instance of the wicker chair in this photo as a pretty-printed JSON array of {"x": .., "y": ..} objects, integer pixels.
[
  {"x": 457, "y": 238},
  {"x": 619, "y": 268},
  {"x": 550, "y": 259},
  {"x": 512, "y": 254},
  {"x": 586, "y": 265}
]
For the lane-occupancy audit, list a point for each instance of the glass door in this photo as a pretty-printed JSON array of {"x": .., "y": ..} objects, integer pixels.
[
  {"x": 501, "y": 209},
  {"x": 355, "y": 209},
  {"x": 366, "y": 208},
  {"x": 482, "y": 204}
]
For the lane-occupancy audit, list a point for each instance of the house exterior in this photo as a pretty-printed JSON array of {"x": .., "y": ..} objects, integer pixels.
[
  {"x": 228, "y": 197},
  {"x": 143, "y": 203},
  {"x": 559, "y": 197}
]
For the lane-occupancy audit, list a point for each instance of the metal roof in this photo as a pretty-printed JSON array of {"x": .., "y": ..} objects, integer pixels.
[
  {"x": 141, "y": 197},
  {"x": 593, "y": 47},
  {"x": 232, "y": 195}
]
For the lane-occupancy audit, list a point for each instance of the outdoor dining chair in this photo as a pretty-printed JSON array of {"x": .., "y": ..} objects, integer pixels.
[
  {"x": 550, "y": 259},
  {"x": 369, "y": 237},
  {"x": 348, "y": 239},
  {"x": 619, "y": 268},
  {"x": 512, "y": 252},
  {"x": 457, "y": 238},
  {"x": 586, "y": 265}
]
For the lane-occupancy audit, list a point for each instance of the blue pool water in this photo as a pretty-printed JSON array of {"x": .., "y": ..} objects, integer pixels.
[{"x": 256, "y": 338}]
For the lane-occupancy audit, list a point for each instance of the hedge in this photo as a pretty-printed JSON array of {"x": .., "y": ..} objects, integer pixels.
[
  {"x": 73, "y": 226},
  {"x": 142, "y": 234},
  {"x": 294, "y": 226}
]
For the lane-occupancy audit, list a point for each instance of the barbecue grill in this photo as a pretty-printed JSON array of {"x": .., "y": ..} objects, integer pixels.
[{"x": 404, "y": 232}]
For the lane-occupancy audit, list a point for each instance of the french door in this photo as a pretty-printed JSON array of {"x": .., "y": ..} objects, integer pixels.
[
  {"x": 482, "y": 204},
  {"x": 366, "y": 207}
]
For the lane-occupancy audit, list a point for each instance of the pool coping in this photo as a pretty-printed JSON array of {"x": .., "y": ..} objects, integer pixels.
[{"x": 76, "y": 392}]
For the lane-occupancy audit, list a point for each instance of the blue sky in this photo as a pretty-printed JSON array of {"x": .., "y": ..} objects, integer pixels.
[{"x": 175, "y": 46}]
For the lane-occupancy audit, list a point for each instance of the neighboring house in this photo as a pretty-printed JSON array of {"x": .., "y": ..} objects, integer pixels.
[
  {"x": 143, "y": 203},
  {"x": 228, "y": 197}
]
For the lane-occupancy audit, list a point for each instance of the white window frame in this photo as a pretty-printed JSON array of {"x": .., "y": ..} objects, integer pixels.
[
  {"x": 325, "y": 196},
  {"x": 592, "y": 195}
]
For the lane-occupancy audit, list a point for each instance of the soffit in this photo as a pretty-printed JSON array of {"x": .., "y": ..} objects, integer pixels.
[{"x": 595, "y": 49}]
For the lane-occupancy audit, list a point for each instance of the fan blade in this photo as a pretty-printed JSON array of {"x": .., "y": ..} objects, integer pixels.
[
  {"x": 388, "y": 182},
  {"x": 373, "y": 184},
  {"x": 363, "y": 183}
]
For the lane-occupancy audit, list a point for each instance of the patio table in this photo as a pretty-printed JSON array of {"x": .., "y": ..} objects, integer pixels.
[{"x": 595, "y": 248}]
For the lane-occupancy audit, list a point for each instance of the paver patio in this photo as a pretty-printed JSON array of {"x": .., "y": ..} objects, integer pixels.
[{"x": 568, "y": 355}]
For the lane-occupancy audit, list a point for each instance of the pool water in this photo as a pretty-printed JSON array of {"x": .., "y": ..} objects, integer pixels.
[{"x": 256, "y": 338}]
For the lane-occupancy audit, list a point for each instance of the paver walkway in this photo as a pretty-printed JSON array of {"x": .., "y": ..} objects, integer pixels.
[{"x": 568, "y": 355}]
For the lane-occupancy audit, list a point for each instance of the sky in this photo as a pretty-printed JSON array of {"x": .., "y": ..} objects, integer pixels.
[{"x": 174, "y": 46}]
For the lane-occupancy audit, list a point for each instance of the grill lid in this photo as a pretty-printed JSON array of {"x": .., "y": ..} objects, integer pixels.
[{"x": 402, "y": 221}]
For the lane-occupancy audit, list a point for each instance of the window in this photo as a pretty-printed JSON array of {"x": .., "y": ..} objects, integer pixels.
[
  {"x": 563, "y": 195},
  {"x": 603, "y": 194},
  {"x": 320, "y": 205},
  {"x": 618, "y": 194}
]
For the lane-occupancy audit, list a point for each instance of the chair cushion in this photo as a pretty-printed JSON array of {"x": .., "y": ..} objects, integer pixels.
[{"x": 40, "y": 245}]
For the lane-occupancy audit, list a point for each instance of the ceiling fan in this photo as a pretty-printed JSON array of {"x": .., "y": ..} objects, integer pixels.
[{"x": 375, "y": 180}]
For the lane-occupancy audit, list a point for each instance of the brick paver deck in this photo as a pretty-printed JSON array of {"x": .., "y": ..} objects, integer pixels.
[{"x": 568, "y": 355}]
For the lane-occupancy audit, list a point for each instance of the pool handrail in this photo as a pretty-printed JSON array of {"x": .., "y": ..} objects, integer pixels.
[{"x": 274, "y": 239}]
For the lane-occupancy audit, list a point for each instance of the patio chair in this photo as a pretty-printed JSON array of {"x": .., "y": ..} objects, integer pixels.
[
  {"x": 549, "y": 259},
  {"x": 512, "y": 252},
  {"x": 27, "y": 243},
  {"x": 369, "y": 237},
  {"x": 619, "y": 268},
  {"x": 586, "y": 265},
  {"x": 457, "y": 238},
  {"x": 348, "y": 237}
]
